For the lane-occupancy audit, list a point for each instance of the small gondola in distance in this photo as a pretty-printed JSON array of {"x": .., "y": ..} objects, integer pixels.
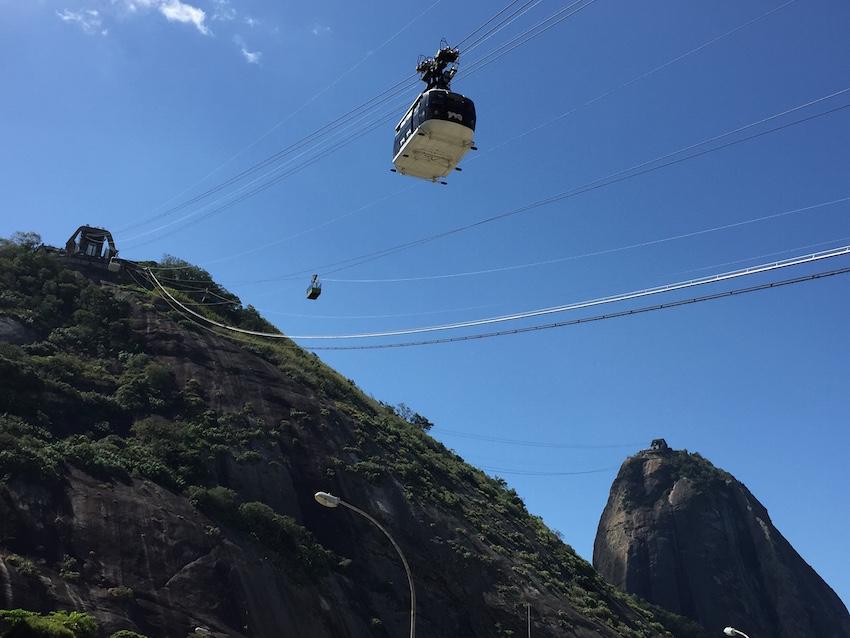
[{"x": 314, "y": 289}]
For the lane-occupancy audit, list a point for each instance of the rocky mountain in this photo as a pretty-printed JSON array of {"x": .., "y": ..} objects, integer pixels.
[
  {"x": 682, "y": 534},
  {"x": 158, "y": 477}
]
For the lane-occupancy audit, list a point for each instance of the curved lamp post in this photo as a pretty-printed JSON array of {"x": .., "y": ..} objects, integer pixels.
[
  {"x": 329, "y": 500},
  {"x": 731, "y": 631}
]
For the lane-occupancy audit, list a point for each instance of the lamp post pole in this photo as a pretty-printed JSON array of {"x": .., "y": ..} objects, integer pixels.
[
  {"x": 731, "y": 631},
  {"x": 329, "y": 500}
]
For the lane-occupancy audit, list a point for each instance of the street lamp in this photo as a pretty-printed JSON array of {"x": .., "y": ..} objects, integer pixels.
[
  {"x": 329, "y": 500},
  {"x": 731, "y": 631}
]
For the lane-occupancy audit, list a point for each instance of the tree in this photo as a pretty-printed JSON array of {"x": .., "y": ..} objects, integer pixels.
[
  {"x": 414, "y": 418},
  {"x": 27, "y": 239}
]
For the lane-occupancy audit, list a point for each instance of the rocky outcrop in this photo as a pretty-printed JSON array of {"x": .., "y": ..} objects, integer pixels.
[
  {"x": 689, "y": 537},
  {"x": 161, "y": 478},
  {"x": 13, "y": 331}
]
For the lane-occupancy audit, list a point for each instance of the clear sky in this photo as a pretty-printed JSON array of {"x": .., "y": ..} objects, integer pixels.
[{"x": 114, "y": 110}]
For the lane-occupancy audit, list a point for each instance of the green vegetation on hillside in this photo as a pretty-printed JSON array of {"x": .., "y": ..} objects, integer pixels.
[
  {"x": 20, "y": 623},
  {"x": 57, "y": 624},
  {"x": 83, "y": 394},
  {"x": 697, "y": 468}
]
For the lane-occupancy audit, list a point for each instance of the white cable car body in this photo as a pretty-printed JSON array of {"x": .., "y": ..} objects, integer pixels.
[
  {"x": 434, "y": 134},
  {"x": 436, "y": 131}
]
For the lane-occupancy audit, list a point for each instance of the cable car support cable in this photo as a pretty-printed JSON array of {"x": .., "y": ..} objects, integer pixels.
[
  {"x": 398, "y": 88},
  {"x": 633, "y": 80},
  {"x": 595, "y": 318},
  {"x": 597, "y": 253},
  {"x": 305, "y": 143},
  {"x": 560, "y": 324},
  {"x": 646, "y": 292},
  {"x": 642, "y": 168},
  {"x": 648, "y": 166},
  {"x": 509, "y": 141},
  {"x": 507, "y": 7},
  {"x": 369, "y": 55}
]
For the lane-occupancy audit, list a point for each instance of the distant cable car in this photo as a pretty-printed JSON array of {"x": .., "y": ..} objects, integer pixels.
[
  {"x": 95, "y": 247},
  {"x": 315, "y": 288},
  {"x": 88, "y": 242},
  {"x": 436, "y": 131}
]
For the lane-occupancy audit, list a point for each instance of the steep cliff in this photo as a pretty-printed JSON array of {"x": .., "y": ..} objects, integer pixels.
[
  {"x": 160, "y": 477},
  {"x": 686, "y": 536}
]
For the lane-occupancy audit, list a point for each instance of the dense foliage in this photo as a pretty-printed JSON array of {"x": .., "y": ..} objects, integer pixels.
[
  {"x": 196, "y": 285},
  {"x": 697, "y": 468},
  {"x": 20, "y": 623},
  {"x": 277, "y": 532},
  {"x": 57, "y": 624}
]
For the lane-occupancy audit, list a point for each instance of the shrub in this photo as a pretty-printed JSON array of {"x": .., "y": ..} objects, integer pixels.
[
  {"x": 280, "y": 533},
  {"x": 25, "y": 450},
  {"x": 68, "y": 568},
  {"x": 120, "y": 593},
  {"x": 101, "y": 458},
  {"x": 28, "y": 239},
  {"x": 273, "y": 530},
  {"x": 21, "y": 387},
  {"x": 193, "y": 397},
  {"x": 57, "y": 624},
  {"x": 219, "y": 503},
  {"x": 23, "y": 565},
  {"x": 370, "y": 469},
  {"x": 148, "y": 388},
  {"x": 414, "y": 418},
  {"x": 249, "y": 456},
  {"x": 178, "y": 447}
]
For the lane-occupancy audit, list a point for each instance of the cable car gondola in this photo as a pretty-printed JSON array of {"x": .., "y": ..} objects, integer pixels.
[
  {"x": 315, "y": 288},
  {"x": 436, "y": 131}
]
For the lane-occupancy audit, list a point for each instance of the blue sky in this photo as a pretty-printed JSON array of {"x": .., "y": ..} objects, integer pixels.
[{"x": 114, "y": 110}]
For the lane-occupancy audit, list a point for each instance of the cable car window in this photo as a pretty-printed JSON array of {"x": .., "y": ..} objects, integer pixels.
[
  {"x": 403, "y": 124},
  {"x": 405, "y": 121}
]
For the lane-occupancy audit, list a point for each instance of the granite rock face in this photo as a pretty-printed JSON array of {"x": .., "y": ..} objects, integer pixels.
[
  {"x": 12, "y": 331},
  {"x": 160, "y": 477},
  {"x": 688, "y": 537}
]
